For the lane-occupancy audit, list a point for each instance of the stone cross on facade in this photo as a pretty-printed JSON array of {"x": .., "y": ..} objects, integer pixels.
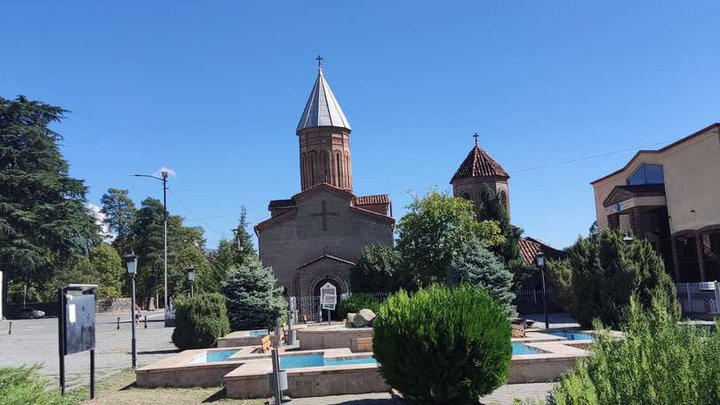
[{"x": 324, "y": 214}]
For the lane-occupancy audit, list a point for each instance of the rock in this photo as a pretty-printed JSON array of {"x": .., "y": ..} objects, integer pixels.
[
  {"x": 349, "y": 319},
  {"x": 363, "y": 318}
]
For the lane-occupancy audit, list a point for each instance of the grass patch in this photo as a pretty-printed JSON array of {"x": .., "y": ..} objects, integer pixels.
[{"x": 119, "y": 389}]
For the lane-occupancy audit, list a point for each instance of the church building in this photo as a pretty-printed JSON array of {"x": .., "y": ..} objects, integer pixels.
[{"x": 317, "y": 235}]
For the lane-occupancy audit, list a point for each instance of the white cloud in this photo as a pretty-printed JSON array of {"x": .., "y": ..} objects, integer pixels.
[{"x": 100, "y": 221}]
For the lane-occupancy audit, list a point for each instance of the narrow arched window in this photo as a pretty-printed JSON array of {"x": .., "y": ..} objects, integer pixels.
[
  {"x": 303, "y": 171},
  {"x": 312, "y": 169},
  {"x": 340, "y": 182},
  {"x": 326, "y": 167}
]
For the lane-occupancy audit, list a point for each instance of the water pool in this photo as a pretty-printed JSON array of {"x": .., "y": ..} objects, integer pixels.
[
  {"x": 571, "y": 335},
  {"x": 214, "y": 356},
  {"x": 258, "y": 333},
  {"x": 318, "y": 360},
  {"x": 519, "y": 348}
]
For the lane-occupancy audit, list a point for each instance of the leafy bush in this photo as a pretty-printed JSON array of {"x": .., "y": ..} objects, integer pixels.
[
  {"x": 199, "y": 321},
  {"x": 479, "y": 267},
  {"x": 356, "y": 302},
  {"x": 657, "y": 362},
  {"x": 254, "y": 297},
  {"x": 559, "y": 283},
  {"x": 25, "y": 385},
  {"x": 443, "y": 345},
  {"x": 607, "y": 271},
  {"x": 376, "y": 270}
]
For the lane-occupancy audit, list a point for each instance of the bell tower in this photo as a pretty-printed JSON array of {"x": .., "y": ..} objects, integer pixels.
[
  {"x": 477, "y": 171},
  {"x": 324, "y": 136}
]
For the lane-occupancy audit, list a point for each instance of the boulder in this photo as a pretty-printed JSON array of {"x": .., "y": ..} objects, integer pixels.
[
  {"x": 349, "y": 319},
  {"x": 363, "y": 318}
]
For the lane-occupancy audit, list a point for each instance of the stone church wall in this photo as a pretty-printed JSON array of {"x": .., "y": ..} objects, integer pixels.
[{"x": 291, "y": 243}]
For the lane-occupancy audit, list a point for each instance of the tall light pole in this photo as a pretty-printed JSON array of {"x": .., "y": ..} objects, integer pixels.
[
  {"x": 131, "y": 263},
  {"x": 163, "y": 177},
  {"x": 540, "y": 261}
]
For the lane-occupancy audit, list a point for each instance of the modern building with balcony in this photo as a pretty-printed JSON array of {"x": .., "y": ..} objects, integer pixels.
[{"x": 671, "y": 197}]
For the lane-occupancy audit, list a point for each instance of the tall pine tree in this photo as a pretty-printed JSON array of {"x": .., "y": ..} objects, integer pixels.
[
  {"x": 119, "y": 212},
  {"x": 44, "y": 221}
]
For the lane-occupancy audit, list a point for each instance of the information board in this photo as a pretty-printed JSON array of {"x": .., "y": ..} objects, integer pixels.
[{"x": 79, "y": 323}]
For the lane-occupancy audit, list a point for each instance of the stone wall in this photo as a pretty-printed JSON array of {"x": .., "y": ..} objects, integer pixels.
[
  {"x": 294, "y": 240},
  {"x": 113, "y": 305}
]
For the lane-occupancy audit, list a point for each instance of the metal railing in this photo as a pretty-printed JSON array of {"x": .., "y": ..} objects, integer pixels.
[
  {"x": 699, "y": 298},
  {"x": 309, "y": 310}
]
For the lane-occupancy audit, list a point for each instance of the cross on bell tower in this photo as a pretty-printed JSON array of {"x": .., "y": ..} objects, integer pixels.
[
  {"x": 476, "y": 136},
  {"x": 319, "y": 60}
]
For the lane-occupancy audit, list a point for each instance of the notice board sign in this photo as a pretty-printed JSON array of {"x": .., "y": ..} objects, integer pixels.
[{"x": 79, "y": 323}]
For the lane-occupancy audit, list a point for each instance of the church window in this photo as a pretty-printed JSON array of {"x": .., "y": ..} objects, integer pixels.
[
  {"x": 312, "y": 169},
  {"x": 647, "y": 174},
  {"x": 303, "y": 171},
  {"x": 503, "y": 199},
  {"x": 339, "y": 181},
  {"x": 326, "y": 167},
  {"x": 466, "y": 196}
]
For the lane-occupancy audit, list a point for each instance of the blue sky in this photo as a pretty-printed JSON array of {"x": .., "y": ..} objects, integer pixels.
[{"x": 215, "y": 90}]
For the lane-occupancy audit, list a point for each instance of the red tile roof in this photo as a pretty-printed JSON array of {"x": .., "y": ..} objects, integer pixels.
[
  {"x": 281, "y": 204},
  {"x": 529, "y": 248},
  {"x": 372, "y": 199},
  {"x": 479, "y": 164}
]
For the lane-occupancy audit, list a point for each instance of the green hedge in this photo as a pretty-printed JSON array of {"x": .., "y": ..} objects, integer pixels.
[
  {"x": 440, "y": 345},
  {"x": 658, "y": 361},
  {"x": 25, "y": 385},
  {"x": 356, "y": 302},
  {"x": 200, "y": 321}
]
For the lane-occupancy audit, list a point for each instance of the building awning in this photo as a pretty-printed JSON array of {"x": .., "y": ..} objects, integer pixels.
[{"x": 622, "y": 198}]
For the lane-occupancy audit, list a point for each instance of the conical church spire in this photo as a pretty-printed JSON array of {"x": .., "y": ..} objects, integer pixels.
[{"x": 322, "y": 108}]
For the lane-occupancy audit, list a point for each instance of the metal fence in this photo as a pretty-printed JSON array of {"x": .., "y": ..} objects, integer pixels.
[
  {"x": 699, "y": 298},
  {"x": 309, "y": 310}
]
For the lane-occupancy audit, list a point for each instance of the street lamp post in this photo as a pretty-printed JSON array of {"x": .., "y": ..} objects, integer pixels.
[
  {"x": 191, "y": 279},
  {"x": 163, "y": 177},
  {"x": 131, "y": 262},
  {"x": 540, "y": 262}
]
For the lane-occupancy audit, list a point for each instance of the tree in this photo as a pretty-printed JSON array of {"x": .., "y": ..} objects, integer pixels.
[
  {"x": 607, "y": 271},
  {"x": 103, "y": 266},
  {"x": 436, "y": 229},
  {"x": 229, "y": 254},
  {"x": 119, "y": 212},
  {"x": 148, "y": 235},
  {"x": 479, "y": 267},
  {"x": 245, "y": 248},
  {"x": 376, "y": 270},
  {"x": 254, "y": 297},
  {"x": 44, "y": 222},
  {"x": 492, "y": 209}
]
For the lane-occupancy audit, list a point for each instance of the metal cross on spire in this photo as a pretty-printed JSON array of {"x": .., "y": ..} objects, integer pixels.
[
  {"x": 476, "y": 136},
  {"x": 319, "y": 60}
]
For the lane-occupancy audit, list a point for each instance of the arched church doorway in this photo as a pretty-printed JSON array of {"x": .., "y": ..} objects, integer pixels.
[{"x": 316, "y": 293}]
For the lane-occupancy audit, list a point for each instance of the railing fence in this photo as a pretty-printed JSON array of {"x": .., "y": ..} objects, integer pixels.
[{"x": 699, "y": 298}]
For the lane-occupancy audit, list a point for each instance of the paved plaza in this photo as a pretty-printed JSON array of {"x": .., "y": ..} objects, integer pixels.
[{"x": 35, "y": 341}]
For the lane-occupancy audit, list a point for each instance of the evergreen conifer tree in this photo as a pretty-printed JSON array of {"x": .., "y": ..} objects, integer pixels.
[
  {"x": 44, "y": 222},
  {"x": 254, "y": 297},
  {"x": 479, "y": 267}
]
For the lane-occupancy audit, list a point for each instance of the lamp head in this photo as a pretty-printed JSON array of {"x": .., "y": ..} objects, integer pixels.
[{"x": 131, "y": 263}]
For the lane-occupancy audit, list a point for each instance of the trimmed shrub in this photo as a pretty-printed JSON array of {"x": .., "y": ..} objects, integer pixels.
[
  {"x": 356, "y": 302},
  {"x": 25, "y": 385},
  {"x": 199, "y": 321},
  {"x": 658, "y": 361},
  {"x": 376, "y": 270},
  {"x": 607, "y": 271},
  {"x": 443, "y": 345},
  {"x": 479, "y": 267},
  {"x": 254, "y": 297}
]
